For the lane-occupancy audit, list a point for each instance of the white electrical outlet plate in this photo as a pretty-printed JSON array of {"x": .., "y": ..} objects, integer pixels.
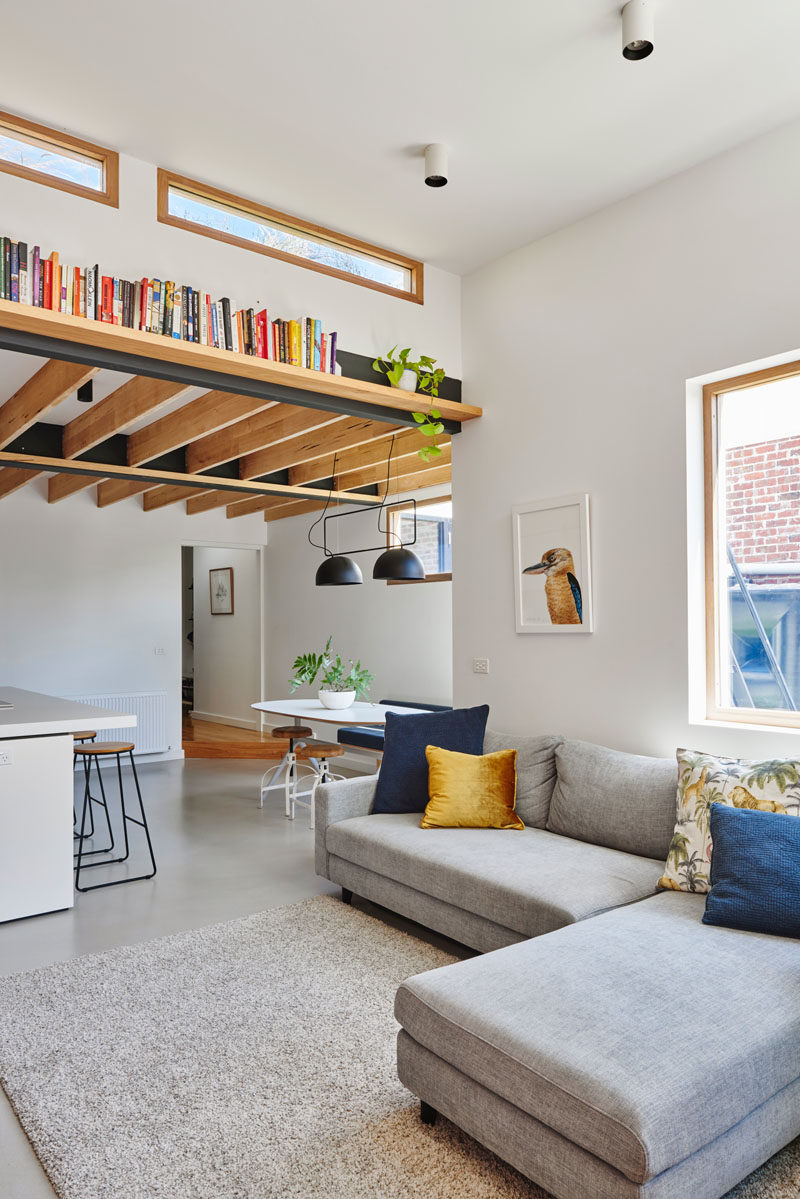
[
  {"x": 480, "y": 665},
  {"x": 6, "y": 757}
]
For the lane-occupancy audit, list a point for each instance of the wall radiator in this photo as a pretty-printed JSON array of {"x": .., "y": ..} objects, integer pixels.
[{"x": 150, "y": 707}]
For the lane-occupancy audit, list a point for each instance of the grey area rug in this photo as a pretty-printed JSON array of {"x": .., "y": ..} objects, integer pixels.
[{"x": 247, "y": 1060}]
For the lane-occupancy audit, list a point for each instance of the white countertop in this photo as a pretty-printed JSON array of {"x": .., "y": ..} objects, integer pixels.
[
  {"x": 312, "y": 709},
  {"x": 36, "y": 715}
]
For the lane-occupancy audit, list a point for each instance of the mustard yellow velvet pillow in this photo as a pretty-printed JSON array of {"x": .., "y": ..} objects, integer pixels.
[{"x": 471, "y": 791}]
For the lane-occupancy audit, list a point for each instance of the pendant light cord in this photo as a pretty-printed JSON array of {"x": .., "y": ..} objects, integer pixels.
[
  {"x": 390, "y": 531},
  {"x": 321, "y": 516}
]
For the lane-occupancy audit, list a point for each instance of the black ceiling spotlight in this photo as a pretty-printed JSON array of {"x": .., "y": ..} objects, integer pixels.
[
  {"x": 637, "y": 29},
  {"x": 396, "y": 562},
  {"x": 85, "y": 392}
]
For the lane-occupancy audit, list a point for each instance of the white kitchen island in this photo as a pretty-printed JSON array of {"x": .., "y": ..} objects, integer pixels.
[{"x": 36, "y": 795}]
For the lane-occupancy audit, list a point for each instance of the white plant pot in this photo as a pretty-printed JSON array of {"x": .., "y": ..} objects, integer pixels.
[
  {"x": 337, "y": 699},
  {"x": 408, "y": 381}
]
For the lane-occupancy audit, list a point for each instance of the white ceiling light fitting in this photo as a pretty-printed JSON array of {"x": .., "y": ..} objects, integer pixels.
[
  {"x": 637, "y": 29},
  {"x": 436, "y": 165}
]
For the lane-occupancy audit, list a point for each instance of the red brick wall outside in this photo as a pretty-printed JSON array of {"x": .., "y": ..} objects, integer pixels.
[{"x": 762, "y": 498}]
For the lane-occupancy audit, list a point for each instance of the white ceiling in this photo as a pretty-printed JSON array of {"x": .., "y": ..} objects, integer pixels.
[{"x": 323, "y": 109}]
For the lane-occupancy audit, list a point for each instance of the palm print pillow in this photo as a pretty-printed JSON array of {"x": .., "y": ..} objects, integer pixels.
[{"x": 704, "y": 780}]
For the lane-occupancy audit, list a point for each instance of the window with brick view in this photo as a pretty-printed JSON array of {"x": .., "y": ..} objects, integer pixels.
[
  {"x": 434, "y": 536},
  {"x": 753, "y": 549}
]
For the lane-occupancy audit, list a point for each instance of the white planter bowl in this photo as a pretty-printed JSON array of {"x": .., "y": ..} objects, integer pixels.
[
  {"x": 408, "y": 381},
  {"x": 337, "y": 699}
]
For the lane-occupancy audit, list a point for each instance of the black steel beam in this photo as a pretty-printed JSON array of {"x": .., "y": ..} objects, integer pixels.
[{"x": 24, "y": 342}]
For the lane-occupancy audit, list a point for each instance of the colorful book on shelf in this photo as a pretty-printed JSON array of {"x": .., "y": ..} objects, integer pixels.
[
  {"x": 159, "y": 306},
  {"x": 15, "y": 271},
  {"x": 317, "y": 345}
]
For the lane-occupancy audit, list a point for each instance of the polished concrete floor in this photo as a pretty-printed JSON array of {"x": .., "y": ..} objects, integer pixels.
[{"x": 219, "y": 856}]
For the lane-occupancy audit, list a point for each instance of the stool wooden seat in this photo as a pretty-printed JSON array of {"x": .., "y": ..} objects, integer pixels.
[
  {"x": 292, "y": 730},
  {"x": 85, "y": 735},
  {"x": 320, "y": 749},
  {"x": 104, "y": 747}
]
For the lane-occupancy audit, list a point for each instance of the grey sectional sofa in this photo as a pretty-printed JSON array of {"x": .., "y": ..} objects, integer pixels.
[{"x": 612, "y": 1046}]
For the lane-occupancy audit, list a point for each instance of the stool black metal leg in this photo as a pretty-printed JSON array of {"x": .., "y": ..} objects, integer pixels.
[
  {"x": 144, "y": 818},
  {"x": 124, "y": 857},
  {"x": 103, "y": 803},
  {"x": 126, "y": 819},
  {"x": 82, "y": 834},
  {"x": 90, "y": 834}
]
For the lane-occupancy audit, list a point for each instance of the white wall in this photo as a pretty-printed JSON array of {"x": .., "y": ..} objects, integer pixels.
[
  {"x": 85, "y": 602},
  {"x": 227, "y": 648},
  {"x": 579, "y": 348},
  {"x": 403, "y": 635}
]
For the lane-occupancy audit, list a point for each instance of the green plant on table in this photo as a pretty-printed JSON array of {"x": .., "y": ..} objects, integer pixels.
[
  {"x": 334, "y": 673},
  {"x": 429, "y": 377}
]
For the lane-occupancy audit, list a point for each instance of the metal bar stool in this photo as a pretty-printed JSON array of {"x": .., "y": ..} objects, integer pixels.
[
  {"x": 297, "y": 735},
  {"x": 117, "y": 748},
  {"x": 81, "y": 738}
]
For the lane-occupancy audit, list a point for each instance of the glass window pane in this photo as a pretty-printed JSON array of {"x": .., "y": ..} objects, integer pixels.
[
  {"x": 434, "y": 535},
  {"x": 52, "y": 160},
  {"x": 250, "y": 227},
  {"x": 758, "y": 474}
]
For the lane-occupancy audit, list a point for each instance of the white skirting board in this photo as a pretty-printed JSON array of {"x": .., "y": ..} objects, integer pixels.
[{"x": 233, "y": 721}]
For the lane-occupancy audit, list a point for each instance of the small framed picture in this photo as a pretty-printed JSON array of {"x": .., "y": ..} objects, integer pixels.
[
  {"x": 552, "y": 572},
  {"x": 220, "y": 582}
]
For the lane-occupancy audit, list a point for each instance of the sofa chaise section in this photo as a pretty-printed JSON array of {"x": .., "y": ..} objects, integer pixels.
[{"x": 637, "y": 1055}]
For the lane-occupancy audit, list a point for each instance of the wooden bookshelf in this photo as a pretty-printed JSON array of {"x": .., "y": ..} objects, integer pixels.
[{"x": 53, "y": 335}]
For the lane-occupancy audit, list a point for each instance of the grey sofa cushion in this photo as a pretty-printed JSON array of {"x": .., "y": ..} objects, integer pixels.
[
  {"x": 536, "y": 772},
  {"x": 641, "y": 1035},
  {"x": 527, "y": 880},
  {"x": 616, "y": 799}
]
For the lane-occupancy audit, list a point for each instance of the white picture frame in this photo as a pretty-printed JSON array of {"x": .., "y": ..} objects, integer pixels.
[{"x": 556, "y": 597}]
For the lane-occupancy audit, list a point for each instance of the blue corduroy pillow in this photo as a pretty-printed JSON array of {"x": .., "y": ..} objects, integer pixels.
[
  {"x": 755, "y": 871},
  {"x": 403, "y": 779}
]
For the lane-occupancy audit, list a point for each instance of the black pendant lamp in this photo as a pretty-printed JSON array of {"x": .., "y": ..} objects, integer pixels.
[
  {"x": 338, "y": 571},
  {"x": 399, "y": 563}
]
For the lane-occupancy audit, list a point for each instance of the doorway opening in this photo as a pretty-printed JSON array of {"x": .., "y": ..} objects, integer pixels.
[{"x": 222, "y": 621}]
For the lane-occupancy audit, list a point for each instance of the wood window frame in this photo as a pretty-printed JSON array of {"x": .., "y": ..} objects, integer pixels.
[
  {"x": 446, "y": 576},
  {"x": 167, "y": 179},
  {"x": 776, "y": 718},
  {"x": 108, "y": 158}
]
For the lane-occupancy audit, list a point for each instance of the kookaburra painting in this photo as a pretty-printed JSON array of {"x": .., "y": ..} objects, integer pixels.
[
  {"x": 561, "y": 588},
  {"x": 552, "y": 586}
]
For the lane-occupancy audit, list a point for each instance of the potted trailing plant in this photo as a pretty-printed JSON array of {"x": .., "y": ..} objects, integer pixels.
[
  {"x": 422, "y": 375},
  {"x": 340, "y": 684}
]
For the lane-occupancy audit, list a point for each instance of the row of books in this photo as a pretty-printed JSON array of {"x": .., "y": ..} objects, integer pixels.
[{"x": 160, "y": 306}]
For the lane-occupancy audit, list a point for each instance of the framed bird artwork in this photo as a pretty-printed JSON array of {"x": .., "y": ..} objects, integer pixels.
[{"x": 552, "y": 571}]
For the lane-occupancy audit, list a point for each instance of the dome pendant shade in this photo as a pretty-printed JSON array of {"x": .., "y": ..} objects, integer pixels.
[
  {"x": 398, "y": 563},
  {"x": 338, "y": 571}
]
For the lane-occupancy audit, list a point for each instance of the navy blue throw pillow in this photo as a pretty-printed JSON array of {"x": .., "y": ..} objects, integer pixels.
[
  {"x": 403, "y": 779},
  {"x": 755, "y": 871}
]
